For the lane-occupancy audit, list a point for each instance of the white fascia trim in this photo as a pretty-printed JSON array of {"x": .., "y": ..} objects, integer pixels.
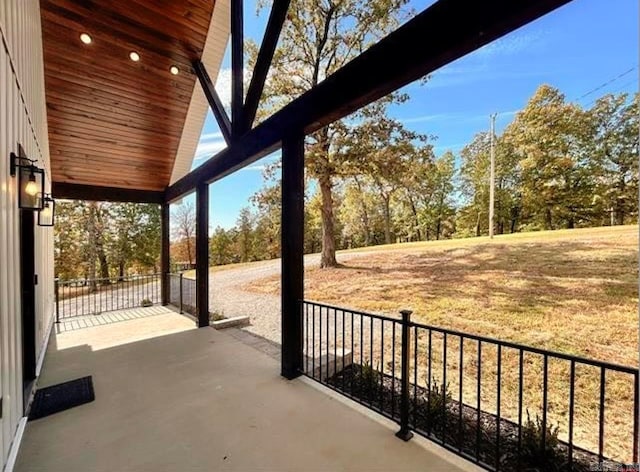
[{"x": 212, "y": 55}]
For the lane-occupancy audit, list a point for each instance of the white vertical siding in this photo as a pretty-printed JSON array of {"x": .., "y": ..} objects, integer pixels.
[{"x": 22, "y": 120}]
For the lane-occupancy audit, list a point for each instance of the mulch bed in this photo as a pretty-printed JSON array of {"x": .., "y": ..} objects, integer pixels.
[{"x": 443, "y": 423}]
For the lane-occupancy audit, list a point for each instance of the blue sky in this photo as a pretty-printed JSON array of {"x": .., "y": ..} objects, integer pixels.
[{"x": 582, "y": 46}]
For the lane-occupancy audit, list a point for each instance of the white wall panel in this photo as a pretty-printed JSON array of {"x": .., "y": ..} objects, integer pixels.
[{"x": 22, "y": 120}]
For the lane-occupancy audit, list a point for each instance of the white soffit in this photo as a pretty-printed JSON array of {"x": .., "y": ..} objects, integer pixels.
[{"x": 214, "y": 49}]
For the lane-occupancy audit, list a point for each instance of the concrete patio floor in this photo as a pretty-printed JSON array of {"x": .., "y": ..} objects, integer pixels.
[{"x": 170, "y": 397}]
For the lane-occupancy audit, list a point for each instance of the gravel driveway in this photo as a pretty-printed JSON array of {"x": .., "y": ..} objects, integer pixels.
[{"x": 226, "y": 295}]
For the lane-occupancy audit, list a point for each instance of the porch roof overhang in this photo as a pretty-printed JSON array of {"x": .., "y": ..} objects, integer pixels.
[
  {"x": 118, "y": 129},
  {"x": 444, "y": 32}
]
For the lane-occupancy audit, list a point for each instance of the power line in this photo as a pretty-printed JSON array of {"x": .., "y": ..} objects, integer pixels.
[
  {"x": 599, "y": 87},
  {"x": 603, "y": 85}
]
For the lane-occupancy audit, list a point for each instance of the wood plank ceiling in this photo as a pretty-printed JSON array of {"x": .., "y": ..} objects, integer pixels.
[{"x": 112, "y": 121}]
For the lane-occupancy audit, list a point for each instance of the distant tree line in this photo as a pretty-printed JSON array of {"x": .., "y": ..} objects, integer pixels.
[
  {"x": 558, "y": 165},
  {"x": 101, "y": 240}
]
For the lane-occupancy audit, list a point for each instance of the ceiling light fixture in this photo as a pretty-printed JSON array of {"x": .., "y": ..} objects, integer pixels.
[
  {"x": 134, "y": 56},
  {"x": 174, "y": 70},
  {"x": 85, "y": 38}
]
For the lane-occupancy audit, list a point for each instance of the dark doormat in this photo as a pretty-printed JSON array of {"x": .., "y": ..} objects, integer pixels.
[{"x": 60, "y": 397}]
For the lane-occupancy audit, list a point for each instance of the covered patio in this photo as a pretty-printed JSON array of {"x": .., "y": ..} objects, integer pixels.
[
  {"x": 158, "y": 378},
  {"x": 127, "y": 86}
]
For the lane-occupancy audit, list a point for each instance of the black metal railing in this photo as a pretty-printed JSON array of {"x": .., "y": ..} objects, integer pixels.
[
  {"x": 182, "y": 293},
  {"x": 502, "y": 405},
  {"x": 94, "y": 296}
]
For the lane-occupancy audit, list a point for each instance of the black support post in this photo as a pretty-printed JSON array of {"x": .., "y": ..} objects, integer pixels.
[
  {"x": 202, "y": 254},
  {"x": 57, "y": 290},
  {"x": 164, "y": 253},
  {"x": 292, "y": 229}
]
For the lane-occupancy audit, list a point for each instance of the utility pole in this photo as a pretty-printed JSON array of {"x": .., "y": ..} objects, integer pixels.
[{"x": 492, "y": 178}]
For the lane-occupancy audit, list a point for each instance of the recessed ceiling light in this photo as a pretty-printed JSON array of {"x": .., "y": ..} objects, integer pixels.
[
  {"x": 174, "y": 70},
  {"x": 85, "y": 38},
  {"x": 134, "y": 56}
]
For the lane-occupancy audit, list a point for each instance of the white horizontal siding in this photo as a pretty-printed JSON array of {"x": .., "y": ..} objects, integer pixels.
[{"x": 23, "y": 120}]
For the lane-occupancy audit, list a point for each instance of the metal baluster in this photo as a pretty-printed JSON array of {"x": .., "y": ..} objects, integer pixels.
[
  {"x": 320, "y": 344},
  {"x": 335, "y": 342},
  {"x": 444, "y": 387},
  {"x": 430, "y": 358},
  {"x": 381, "y": 365},
  {"x": 460, "y": 393},
  {"x": 479, "y": 400},
  {"x": 371, "y": 356},
  {"x": 343, "y": 356},
  {"x": 572, "y": 392},
  {"x": 415, "y": 373},
  {"x": 636, "y": 408},
  {"x": 520, "y": 388},
  {"x": 360, "y": 392},
  {"x": 545, "y": 391},
  {"x": 313, "y": 344},
  {"x": 328, "y": 341},
  {"x": 601, "y": 420},
  {"x": 393, "y": 370},
  {"x": 353, "y": 355},
  {"x": 498, "y": 405}
]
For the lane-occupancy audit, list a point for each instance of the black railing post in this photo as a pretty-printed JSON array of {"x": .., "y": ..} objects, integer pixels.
[
  {"x": 405, "y": 434},
  {"x": 181, "y": 275},
  {"x": 56, "y": 284}
]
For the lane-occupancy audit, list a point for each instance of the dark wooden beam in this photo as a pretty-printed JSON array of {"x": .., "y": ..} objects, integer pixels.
[
  {"x": 164, "y": 252},
  {"x": 214, "y": 100},
  {"x": 237, "y": 68},
  {"x": 263, "y": 62},
  {"x": 64, "y": 190},
  {"x": 292, "y": 247},
  {"x": 412, "y": 51},
  {"x": 202, "y": 255}
]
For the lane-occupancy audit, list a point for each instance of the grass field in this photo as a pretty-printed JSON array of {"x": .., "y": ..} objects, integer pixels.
[{"x": 573, "y": 291}]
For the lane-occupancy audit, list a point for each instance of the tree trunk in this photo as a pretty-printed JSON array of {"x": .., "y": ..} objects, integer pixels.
[
  {"x": 478, "y": 226},
  {"x": 328, "y": 255},
  {"x": 387, "y": 218},
  {"x": 365, "y": 214},
  {"x": 619, "y": 205},
  {"x": 189, "y": 256},
  {"x": 91, "y": 229},
  {"x": 548, "y": 221},
  {"x": 121, "y": 271},
  {"x": 104, "y": 265},
  {"x": 416, "y": 222},
  {"x": 99, "y": 246},
  {"x": 571, "y": 222}
]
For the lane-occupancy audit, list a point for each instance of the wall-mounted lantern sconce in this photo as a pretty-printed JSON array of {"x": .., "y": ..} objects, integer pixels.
[
  {"x": 47, "y": 215},
  {"x": 30, "y": 182}
]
